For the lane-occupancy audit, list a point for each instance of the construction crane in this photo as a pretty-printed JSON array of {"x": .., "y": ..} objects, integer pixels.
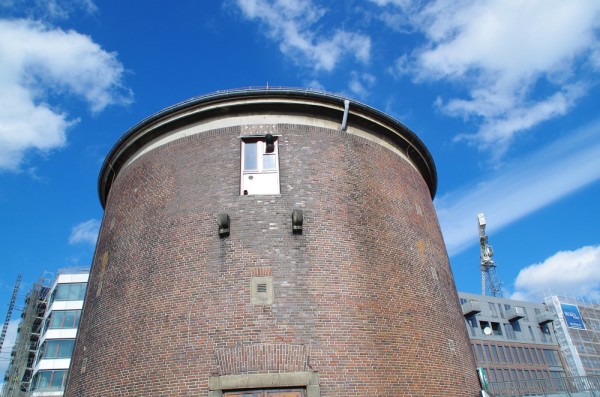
[
  {"x": 11, "y": 306},
  {"x": 490, "y": 284}
]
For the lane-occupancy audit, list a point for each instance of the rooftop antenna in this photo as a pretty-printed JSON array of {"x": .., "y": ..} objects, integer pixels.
[
  {"x": 490, "y": 284},
  {"x": 11, "y": 306}
]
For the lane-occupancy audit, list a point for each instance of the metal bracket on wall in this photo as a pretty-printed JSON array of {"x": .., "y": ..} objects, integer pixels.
[
  {"x": 297, "y": 221},
  {"x": 223, "y": 222}
]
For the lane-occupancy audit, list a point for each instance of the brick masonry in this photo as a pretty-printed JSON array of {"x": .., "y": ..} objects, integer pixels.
[
  {"x": 364, "y": 296},
  {"x": 261, "y": 358}
]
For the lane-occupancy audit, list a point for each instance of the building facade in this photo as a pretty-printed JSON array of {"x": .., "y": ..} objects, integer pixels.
[
  {"x": 42, "y": 353},
  {"x": 514, "y": 341},
  {"x": 58, "y": 332},
  {"x": 577, "y": 324},
  {"x": 270, "y": 242}
]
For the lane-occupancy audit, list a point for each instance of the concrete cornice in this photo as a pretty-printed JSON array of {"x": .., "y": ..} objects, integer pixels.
[{"x": 222, "y": 104}]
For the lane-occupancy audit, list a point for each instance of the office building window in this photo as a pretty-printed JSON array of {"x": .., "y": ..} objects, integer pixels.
[
  {"x": 527, "y": 356},
  {"x": 510, "y": 332},
  {"x": 492, "y": 375},
  {"x": 501, "y": 354},
  {"x": 57, "y": 348},
  {"x": 49, "y": 380},
  {"x": 488, "y": 356},
  {"x": 63, "y": 319},
  {"x": 499, "y": 377},
  {"x": 260, "y": 166},
  {"x": 496, "y": 329},
  {"x": 534, "y": 356},
  {"x": 487, "y": 328},
  {"x": 545, "y": 332},
  {"x": 552, "y": 359},
  {"x": 472, "y": 324},
  {"x": 68, "y": 292},
  {"x": 480, "y": 356},
  {"x": 493, "y": 311},
  {"x": 494, "y": 354},
  {"x": 515, "y": 326},
  {"x": 509, "y": 358},
  {"x": 515, "y": 356},
  {"x": 521, "y": 355}
]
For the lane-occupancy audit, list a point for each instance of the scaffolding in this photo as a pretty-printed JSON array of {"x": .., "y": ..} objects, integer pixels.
[
  {"x": 20, "y": 370},
  {"x": 579, "y": 339}
]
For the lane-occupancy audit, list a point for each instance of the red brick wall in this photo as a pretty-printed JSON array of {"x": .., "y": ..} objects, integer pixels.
[{"x": 364, "y": 295}]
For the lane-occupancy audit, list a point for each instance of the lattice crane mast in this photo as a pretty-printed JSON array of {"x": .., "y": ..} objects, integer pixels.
[{"x": 490, "y": 284}]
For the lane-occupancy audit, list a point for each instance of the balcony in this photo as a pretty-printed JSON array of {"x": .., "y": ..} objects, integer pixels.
[
  {"x": 470, "y": 308},
  {"x": 515, "y": 313},
  {"x": 545, "y": 317}
]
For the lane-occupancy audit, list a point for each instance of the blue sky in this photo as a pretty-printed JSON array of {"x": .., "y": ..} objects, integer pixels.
[{"x": 504, "y": 94}]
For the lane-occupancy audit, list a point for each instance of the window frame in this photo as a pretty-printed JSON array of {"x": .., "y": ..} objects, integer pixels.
[
  {"x": 63, "y": 314},
  {"x": 260, "y": 154},
  {"x": 50, "y": 386},
  {"x": 82, "y": 287},
  {"x": 59, "y": 347}
]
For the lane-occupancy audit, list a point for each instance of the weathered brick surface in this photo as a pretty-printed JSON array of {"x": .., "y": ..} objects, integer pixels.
[{"x": 364, "y": 295}]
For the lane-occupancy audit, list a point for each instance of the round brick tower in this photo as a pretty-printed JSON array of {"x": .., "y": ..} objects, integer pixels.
[{"x": 270, "y": 242}]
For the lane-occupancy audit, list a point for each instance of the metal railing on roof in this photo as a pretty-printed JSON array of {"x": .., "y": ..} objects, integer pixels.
[
  {"x": 565, "y": 386},
  {"x": 74, "y": 270}
]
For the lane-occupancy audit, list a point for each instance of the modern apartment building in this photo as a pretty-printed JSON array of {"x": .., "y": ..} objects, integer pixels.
[
  {"x": 60, "y": 323},
  {"x": 47, "y": 333},
  {"x": 512, "y": 340}
]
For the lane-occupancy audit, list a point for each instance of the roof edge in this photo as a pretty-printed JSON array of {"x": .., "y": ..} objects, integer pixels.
[{"x": 415, "y": 149}]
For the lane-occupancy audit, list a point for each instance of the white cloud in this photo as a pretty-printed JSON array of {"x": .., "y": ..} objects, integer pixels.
[
  {"x": 544, "y": 177},
  {"x": 37, "y": 62},
  {"x": 85, "y": 232},
  {"x": 314, "y": 85},
  {"x": 48, "y": 9},
  {"x": 566, "y": 272},
  {"x": 398, "y": 3},
  {"x": 501, "y": 52},
  {"x": 9, "y": 342},
  {"x": 294, "y": 24},
  {"x": 496, "y": 133},
  {"x": 361, "y": 83}
]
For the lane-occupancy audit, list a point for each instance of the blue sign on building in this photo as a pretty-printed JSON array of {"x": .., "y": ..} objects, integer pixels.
[{"x": 572, "y": 316}]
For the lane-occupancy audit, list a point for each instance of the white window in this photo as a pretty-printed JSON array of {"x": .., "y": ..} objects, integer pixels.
[{"x": 260, "y": 166}]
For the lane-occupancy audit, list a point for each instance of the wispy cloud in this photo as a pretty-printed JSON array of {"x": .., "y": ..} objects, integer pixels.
[
  {"x": 360, "y": 84},
  {"x": 518, "y": 63},
  {"x": 47, "y": 9},
  {"x": 85, "y": 232},
  {"x": 9, "y": 342},
  {"x": 37, "y": 62},
  {"x": 547, "y": 175},
  {"x": 294, "y": 24},
  {"x": 566, "y": 272}
]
